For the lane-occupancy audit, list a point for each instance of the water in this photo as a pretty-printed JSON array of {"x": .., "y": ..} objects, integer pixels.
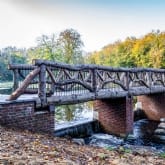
[
  {"x": 75, "y": 120},
  {"x": 68, "y": 115},
  {"x": 142, "y": 138},
  {"x": 81, "y": 113}
]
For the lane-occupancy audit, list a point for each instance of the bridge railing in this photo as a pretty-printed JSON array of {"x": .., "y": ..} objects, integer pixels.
[
  {"x": 20, "y": 72},
  {"x": 51, "y": 78}
]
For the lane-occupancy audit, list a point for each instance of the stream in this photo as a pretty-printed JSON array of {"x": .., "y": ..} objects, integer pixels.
[{"x": 141, "y": 138}]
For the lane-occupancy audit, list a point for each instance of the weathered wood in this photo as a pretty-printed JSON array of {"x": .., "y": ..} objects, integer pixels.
[
  {"x": 88, "y": 96},
  {"x": 21, "y": 66},
  {"x": 91, "y": 66},
  {"x": 42, "y": 85},
  {"x": 53, "y": 80},
  {"x": 117, "y": 82},
  {"x": 98, "y": 81},
  {"x": 94, "y": 80},
  {"x": 74, "y": 98},
  {"x": 15, "y": 79},
  {"x": 24, "y": 85},
  {"x": 31, "y": 91},
  {"x": 51, "y": 75}
]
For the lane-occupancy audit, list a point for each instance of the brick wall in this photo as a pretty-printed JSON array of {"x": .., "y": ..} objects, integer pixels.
[
  {"x": 115, "y": 115},
  {"x": 22, "y": 115},
  {"x": 153, "y": 105}
]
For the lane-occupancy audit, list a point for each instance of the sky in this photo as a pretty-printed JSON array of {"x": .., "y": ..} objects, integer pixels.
[{"x": 100, "y": 22}]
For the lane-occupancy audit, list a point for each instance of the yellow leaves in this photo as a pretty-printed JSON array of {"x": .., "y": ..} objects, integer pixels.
[{"x": 147, "y": 51}]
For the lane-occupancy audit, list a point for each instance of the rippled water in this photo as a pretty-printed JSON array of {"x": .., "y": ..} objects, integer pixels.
[
  {"x": 142, "y": 137},
  {"x": 142, "y": 133}
]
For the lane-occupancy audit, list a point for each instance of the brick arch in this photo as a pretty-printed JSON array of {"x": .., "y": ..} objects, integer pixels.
[{"x": 153, "y": 105}]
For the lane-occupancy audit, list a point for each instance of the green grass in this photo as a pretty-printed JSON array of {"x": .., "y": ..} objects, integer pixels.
[
  {"x": 6, "y": 87},
  {"x": 120, "y": 149},
  {"x": 109, "y": 148},
  {"x": 6, "y": 84},
  {"x": 162, "y": 155}
]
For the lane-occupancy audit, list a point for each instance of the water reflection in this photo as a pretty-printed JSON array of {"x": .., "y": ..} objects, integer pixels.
[{"x": 66, "y": 113}]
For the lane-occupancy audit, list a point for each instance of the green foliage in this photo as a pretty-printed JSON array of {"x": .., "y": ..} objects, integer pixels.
[
  {"x": 69, "y": 43},
  {"x": 162, "y": 155},
  {"x": 10, "y": 55},
  {"x": 66, "y": 47},
  {"x": 147, "y": 51},
  {"x": 109, "y": 148}
]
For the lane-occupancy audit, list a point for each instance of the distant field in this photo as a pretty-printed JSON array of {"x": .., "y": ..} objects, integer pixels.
[
  {"x": 6, "y": 87},
  {"x": 6, "y": 84}
]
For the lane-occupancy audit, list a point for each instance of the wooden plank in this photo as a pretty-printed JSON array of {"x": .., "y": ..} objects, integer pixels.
[
  {"x": 71, "y": 99},
  {"x": 21, "y": 66},
  {"x": 91, "y": 66}
]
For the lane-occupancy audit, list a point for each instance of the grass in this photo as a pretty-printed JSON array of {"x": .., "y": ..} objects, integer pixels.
[
  {"x": 6, "y": 87},
  {"x": 121, "y": 149},
  {"x": 162, "y": 155},
  {"x": 6, "y": 84}
]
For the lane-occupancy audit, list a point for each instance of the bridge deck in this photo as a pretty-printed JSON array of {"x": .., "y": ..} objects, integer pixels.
[
  {"x": 60, "y": 98},
  {"x": 22, "y": 98}
]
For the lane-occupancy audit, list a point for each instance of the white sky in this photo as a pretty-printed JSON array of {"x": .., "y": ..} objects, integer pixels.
[{"x": 99, "y": 22}]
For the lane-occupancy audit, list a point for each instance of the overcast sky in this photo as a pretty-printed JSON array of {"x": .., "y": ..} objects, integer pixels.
[{"x": 99, "y": 22}]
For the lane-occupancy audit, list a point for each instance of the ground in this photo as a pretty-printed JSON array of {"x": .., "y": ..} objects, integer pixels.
[{"x": 25, "y": 148}]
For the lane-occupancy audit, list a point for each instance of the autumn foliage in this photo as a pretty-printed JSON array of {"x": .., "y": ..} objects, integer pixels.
[{"x": 147, "y": 51}]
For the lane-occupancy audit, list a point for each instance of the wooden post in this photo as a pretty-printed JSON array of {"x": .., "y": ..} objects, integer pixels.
[
  {"x": 42, "y": 85},
  {"x": 94, "y": 82},
  {"x": 149, "y": 83},
  {"x": 15, "y": 79},
  {"x": 127, "y": 80}
]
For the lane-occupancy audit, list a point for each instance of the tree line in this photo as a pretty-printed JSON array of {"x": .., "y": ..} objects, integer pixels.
[
  {"x": 67, "y": 46},
  {"x": 147, "y": 51},
  {"x": 64, "y": 47}
]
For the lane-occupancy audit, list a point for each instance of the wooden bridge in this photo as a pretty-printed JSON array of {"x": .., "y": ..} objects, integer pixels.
[{"x": 57, "y": 83}]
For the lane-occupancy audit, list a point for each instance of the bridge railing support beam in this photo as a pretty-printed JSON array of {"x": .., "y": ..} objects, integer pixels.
[
  {"x": 42, "y": 85},
  {"x": 15, "y": 79}
]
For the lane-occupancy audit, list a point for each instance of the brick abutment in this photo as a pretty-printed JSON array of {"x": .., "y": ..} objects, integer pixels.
[{"x": 24, "y": 116}]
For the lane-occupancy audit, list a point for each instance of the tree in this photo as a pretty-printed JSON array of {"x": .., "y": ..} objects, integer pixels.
[
  {"x": 147, "y": 51},
  {"x": 10, "y": 55},
  {"x": 70, "y": 45},
  {"x": 46, "y": 49}
]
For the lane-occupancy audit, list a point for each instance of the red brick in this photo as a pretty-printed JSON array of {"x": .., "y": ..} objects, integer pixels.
[
  {"x": 21, "y": 115},
  {"x": 153, "y": 105},
  {"x": 115, "y": 115}
]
